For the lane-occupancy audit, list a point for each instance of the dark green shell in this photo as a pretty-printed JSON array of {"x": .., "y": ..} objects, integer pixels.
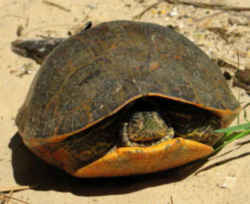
[{"x": 93, "y": 74}]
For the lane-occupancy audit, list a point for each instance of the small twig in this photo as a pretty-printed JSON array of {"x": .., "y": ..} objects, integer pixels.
[
  {"x": 56, "y": 5},
  {"x": 16, "y": 199},
  {"x": 221, "y": 162},
  {"x": 10, "y": 194},
  {"x": 244, "y": 108},
  {"x": 209, "y": 18},
  {"x": 209, "y": 6},
  {"x": 226, "y": 62},
  {"x": 138, "y": 16},
  {"x": 171, "y": 200},
  {"x": 14, "y": 188},
  {"x": 195, "y": 4}
]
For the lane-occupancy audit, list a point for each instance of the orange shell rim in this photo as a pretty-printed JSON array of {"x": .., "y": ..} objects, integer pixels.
[
  {"x": 127, "y": 161},
  {"x": 227, "y": 115}
]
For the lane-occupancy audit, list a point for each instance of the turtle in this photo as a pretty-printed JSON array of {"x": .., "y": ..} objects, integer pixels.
[{"x": 125, "y": 98}]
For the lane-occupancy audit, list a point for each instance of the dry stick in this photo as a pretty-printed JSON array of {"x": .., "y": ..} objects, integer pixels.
[
  {"x": 171, "y": 200},
  {"x": 10, "y": 195},
  {"x": 209, "y": 6},
  {"x": 56, "y": 5},
  {"x": 16, "y": 199},
  {"x": 221, "y": 162},
  {"x": 209, "y": 17},
  {"x": 138, "y": 16},
  {"x": 195, "y": 4},
  {"x": 15, "y": 188}
]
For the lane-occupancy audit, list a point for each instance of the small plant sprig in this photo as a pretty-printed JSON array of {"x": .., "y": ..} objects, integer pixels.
[{"x": 231, "y": 134}]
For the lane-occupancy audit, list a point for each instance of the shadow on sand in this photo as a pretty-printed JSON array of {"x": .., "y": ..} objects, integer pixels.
[{"x": 30, "y": 170}]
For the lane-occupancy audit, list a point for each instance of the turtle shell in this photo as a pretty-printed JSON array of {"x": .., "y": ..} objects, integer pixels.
[{"x": 93, "y": 75}]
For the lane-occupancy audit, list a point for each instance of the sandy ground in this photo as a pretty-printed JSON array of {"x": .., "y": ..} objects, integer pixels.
[{"x": 225, "y": 182}]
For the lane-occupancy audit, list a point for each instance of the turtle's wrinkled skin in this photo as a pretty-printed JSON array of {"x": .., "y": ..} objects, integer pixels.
[
  {"x": 145, "y": 126},
  {"x": 125, "y": 98}
]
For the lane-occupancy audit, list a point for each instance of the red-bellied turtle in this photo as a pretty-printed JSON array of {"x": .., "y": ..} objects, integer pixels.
[{"x": 125, "y": 98}]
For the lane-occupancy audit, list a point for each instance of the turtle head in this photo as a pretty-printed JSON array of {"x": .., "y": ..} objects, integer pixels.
[{"x": 145, "y": 128}]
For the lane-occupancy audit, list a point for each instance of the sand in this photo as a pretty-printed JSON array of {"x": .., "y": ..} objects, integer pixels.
[{"x": 223, "y": 179}]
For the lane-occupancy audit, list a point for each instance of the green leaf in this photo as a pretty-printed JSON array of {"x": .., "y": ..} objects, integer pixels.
[
  {"x": 244, "y": 126},
  {"x": 231, "y": 134}
]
